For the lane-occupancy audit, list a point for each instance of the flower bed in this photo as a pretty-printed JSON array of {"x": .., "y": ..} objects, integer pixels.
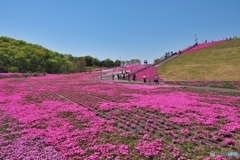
[
  {"x": 129, "y": 67},
  {"x": 204, "y": 45},
  {"x": 77, "y": 116},
  {"x": 150, "y": 74}
]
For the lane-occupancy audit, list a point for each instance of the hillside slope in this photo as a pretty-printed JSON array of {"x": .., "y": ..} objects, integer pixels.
[
  {"x": 18, "y": 56},
  {"x": 220, "y": 62}
]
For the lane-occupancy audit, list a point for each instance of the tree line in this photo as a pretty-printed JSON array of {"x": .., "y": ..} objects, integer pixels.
[{"x": 20, "y": 56}]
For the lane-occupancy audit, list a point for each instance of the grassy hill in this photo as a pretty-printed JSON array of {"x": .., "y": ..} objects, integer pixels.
[
  {"x": 18, "y": 56},
  {"x": 220, "y": 62}
]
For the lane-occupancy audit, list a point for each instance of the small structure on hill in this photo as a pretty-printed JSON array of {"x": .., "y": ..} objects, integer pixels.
[{"x": 145, "y": 62}]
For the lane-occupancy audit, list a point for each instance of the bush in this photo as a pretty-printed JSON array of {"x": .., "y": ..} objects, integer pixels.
[{"x": 13, "y": 69}]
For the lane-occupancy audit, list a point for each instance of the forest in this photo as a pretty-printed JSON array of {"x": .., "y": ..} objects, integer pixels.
[{"x": 20, "y": 56}]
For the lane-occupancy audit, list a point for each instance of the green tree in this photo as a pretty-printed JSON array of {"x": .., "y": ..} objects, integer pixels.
[
  {"x": 95, "y": 62},
  {"x": 155, "y": 60},
  {"x": 21, "y": 61},
  {"x": 88, "y": 60},
  {"x": 80, "y": 64},
  {"x": 123, "y": 63},
  {"x": 117, "y": 63},
  {"x": 108, "y": 63},
  {"x": 13, "y": 69},
  {"x": 33, "y": 57}
]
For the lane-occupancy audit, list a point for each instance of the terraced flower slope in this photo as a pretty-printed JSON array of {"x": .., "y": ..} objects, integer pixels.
[{"x": 77, "y": 117}]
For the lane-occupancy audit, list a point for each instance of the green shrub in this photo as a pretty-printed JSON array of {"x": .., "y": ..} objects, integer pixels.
[{"x": 13, "y": 69}]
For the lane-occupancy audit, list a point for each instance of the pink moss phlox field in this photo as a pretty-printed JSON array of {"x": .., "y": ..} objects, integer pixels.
[
  {"x": 204, "y": 45},
  {"x": 77, "y": 116},
  {"x": 149, "y": 148},
  {"x": 150, "y": 74},
  {"x": 129, "y": 68},
  {"x": 8, "y": 75}
]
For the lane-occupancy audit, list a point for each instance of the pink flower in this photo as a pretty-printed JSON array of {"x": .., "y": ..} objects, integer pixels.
[
  {"x": 123, "y": 149},
  {"x": 228, "y": 141},
  {"x": 146, "y": 137},
  {"x": 185, "y": 131},
  {"x": 149, "y": 149}
]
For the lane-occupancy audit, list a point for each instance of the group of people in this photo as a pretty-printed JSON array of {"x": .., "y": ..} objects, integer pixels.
[
  {"x": 29, "y": 74},
  {"x": 122, "y": 76},
  {"x": 156, "y": 80},
  {"x": 26, "y": 74},
  {"x": 169, "y": 54}
]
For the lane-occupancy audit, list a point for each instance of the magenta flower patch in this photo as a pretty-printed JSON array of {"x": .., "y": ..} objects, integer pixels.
[{"x": 77, "y": 116}]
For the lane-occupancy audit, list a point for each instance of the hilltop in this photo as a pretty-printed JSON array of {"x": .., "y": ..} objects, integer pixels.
[{"x": 220, "y": 62}]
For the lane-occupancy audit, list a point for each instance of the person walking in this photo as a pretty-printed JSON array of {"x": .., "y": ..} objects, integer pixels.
[
  {"x": 112, "y": 76},
  {"x": 26, "y": 74},
  {"x": 134, "y": 77},
  {"x": 144, "y": 78},
  {"x": 156, "y": 80}
]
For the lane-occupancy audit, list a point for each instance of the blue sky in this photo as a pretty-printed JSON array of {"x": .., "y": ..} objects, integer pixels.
[{"x": 141, "y": 29}]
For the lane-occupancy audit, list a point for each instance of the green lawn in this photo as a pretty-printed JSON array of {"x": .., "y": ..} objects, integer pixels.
[{"x": 220, "y": 62}]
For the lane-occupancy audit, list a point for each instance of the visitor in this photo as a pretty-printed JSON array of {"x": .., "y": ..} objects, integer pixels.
[
  {"x": 112, "y": 76},
  {"x": 128, "y": 77},
  {"x": 118, "y": 76},
  {"x": 144, "y": 78},
  {"x": 134, "y": 77},
  {"x": 156, "y": 80}
]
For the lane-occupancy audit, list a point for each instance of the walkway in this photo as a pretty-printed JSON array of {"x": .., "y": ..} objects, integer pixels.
[{"x": 163, "y": 84}]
